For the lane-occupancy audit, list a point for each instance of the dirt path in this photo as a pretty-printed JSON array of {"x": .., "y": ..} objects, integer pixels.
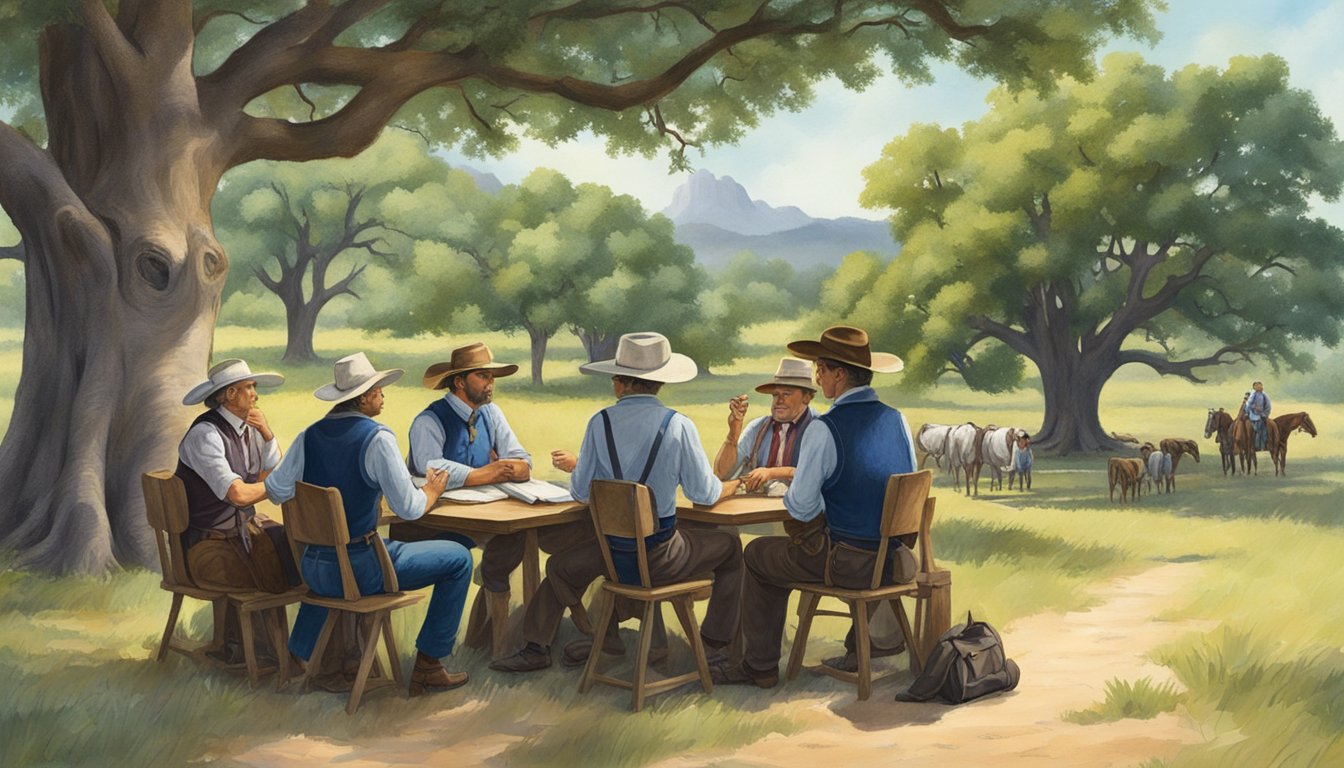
[{"x": 1066, "y": 661}]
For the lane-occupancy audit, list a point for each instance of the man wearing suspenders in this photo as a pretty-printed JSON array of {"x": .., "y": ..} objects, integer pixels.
[{"x": 640, "y": 439}]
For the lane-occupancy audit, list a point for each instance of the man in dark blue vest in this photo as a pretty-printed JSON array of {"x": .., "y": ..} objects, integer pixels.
[
  {"x": 842, "y": 472},
  {"x": 639, "y": 439},
  {"x": 465, "y": 433},
  {"x": 350, "y": 451}
]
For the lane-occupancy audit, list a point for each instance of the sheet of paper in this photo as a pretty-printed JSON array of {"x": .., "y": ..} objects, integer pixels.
[
  {"x": 534, "y": 491},
  {"x": 476, "y": 495}
]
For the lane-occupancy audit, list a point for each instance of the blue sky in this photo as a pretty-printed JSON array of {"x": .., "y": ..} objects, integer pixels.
[{"x": 814, "y": 159}]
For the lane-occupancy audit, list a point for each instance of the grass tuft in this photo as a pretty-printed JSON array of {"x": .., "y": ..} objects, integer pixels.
[{"x": 1140, "y": 700}]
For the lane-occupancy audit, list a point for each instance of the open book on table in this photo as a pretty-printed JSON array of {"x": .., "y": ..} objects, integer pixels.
[{"x": 531, "y": 492}]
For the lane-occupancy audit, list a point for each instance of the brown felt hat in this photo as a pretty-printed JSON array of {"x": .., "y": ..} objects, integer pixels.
[
  {"x": 846, "y": 344},
  {"x": 473, "y": 357}
]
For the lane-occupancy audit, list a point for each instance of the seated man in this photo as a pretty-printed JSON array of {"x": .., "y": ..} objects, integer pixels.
[
  {"x": 842, "y": 471},
  {"x": 351, "y": 452},
  {"x": 767, "y": 451},
  {"x": 222, "y": 460},
  {"x": 466, "y": 434},
  {"x": 639, "y": 432}
]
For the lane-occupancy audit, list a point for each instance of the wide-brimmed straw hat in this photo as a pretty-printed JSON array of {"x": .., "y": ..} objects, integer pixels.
[
  {"x": 228, "y": 372},
  {"x": 647, "y": 356},
  {"x": 791, "y": 372},
  {"x": 473, "y": 357},
  {"x": 354, "y": 375},
  {"x": 846, "y": 344}
]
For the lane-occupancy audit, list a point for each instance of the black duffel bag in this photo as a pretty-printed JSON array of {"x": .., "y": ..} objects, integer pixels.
[{"x": 968, "y": 662}]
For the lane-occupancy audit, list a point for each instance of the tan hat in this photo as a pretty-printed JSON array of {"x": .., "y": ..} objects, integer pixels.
[
  {"x": 846, "y": 344},
  {"x": 647, "y": 356},
  {"x": 791, "y": 372},
  {"x": 473, "y": 357},
  {"x": 228, "y": 372},
  {"x": 354, "y": 376}
]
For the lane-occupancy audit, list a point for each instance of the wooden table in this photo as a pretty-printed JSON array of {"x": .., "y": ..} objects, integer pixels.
[
  {"x": 739, "y": 509},
  {"x": 502, "y": 517}
]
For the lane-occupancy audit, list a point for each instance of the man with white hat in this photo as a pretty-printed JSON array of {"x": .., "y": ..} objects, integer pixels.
[
  {"x": 350, "y": 451},
  {"x": 223, "y": 459},
  {"x": 639, "y": 431},
  {"x": 842, "y": 471},
  {"x": 765, "y": 454}
]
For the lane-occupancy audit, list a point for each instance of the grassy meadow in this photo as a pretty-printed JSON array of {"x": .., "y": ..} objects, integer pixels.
[{"x": 1266, "y": 685}]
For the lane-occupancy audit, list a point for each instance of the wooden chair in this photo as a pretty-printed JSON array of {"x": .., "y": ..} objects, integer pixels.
[
  {"x": 906, "y": 509},
  {"x": 624, "y": 508},
  {"x": 166, "y": 510},
  {"x": 317, "y": 516}
]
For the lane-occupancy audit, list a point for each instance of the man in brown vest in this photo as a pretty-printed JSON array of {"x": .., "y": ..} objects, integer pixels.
[{"x": 765, "y": 454}]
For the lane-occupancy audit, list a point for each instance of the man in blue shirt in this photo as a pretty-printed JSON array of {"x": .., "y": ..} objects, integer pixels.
[
  {"x": 1257, "y": 410},
  {"x": 640, "y": 432},
  {"x": 842, "y": 471},
  {"x": 351, "y": 452},
  {"x": 765, "y": 453}
]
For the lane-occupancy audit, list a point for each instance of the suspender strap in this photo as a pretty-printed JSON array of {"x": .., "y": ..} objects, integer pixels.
[
  {"x": 657, "y": 443},
  {"x": 611, "y": 446}
]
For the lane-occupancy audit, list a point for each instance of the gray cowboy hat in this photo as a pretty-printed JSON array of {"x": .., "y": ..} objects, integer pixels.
[
  {"x": 647, "y": 356},
  {"x": 473, "y": 357},
  {"x": 791, "y": 372},
  {"x": 227, "y": 372},
  {"x": 354, "y": 375},
  {"x": 846, "y": 344}
]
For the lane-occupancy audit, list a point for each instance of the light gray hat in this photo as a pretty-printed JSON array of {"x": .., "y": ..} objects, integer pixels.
[
  {"x": 227, "y": 372},
  {"x": 354, "y": 375},
  {"x": 791, "y": 372},
  {"x": 646, "y": 356}
]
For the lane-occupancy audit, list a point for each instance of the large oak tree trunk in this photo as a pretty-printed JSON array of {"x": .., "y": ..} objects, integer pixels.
[
  {"x": 124, "y": 279},
  {"x": 1072, "y": 386}
]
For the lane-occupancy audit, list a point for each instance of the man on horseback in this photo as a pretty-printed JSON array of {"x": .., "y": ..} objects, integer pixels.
[{"x": 1257, "y": 410}]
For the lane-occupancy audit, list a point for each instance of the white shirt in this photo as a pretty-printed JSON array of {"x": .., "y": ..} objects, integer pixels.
[
  {"x": 382, "y": 462},
  {"x": 202, "y": 449},
  {"x": 426, "y": 439}
]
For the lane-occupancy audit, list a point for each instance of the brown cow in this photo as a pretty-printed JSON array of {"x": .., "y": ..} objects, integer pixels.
[
  {"x": 1125, "y": 473},
  {"x": 1176, "y": 447}
]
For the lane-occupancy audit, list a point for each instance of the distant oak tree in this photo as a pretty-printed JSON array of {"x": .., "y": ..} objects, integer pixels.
[
  {"x": 125, "y": 115},
  {"x": 1143, "y": 218}
]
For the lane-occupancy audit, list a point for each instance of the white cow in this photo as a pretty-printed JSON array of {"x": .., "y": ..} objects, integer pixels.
[
  {"x": 996, "y": 452},
  {"x": 1160, "y": 472}
]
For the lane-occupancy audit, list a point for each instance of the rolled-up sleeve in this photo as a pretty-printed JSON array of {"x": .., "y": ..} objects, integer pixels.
[
  {"x": 816, "y": 462},
  {"x": 203, "y": 451}
]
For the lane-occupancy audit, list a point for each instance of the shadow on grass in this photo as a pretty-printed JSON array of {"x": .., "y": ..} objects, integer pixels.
[{"x": 973, "y": 542}]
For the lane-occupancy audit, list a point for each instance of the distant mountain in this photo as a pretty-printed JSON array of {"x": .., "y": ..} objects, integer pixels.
[
  {"x": 488, "y": 182},
  {"x": 722, "y": 202},
  {"x": 718, "y": 219},
  {"x": 824, "y": 241}
]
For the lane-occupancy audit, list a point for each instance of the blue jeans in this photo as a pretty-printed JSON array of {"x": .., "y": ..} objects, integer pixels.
[{"x": 446, "y": 565}]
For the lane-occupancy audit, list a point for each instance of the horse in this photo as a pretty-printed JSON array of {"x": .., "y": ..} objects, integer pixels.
[
  {"x": 996, "y": 450},
  {"x": 1176, "y": 447},
  {"x": 1243, "y": 441},
  {"x": 1219, "y": 423},
  {"x": 931, "y": 440},
  {"x": 1288, "y": 424},
  {"x": 962, "y": 453}
]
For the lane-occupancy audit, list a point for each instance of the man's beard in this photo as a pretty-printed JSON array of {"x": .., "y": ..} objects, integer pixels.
[{"x": 480, "y": 398}]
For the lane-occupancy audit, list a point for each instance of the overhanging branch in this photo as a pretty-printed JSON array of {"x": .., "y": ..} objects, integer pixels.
[
  {"x": 16, "y": 252},
  {"x": 1228, "y": 355}
]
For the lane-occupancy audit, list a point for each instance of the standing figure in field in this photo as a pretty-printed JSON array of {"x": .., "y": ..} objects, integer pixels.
[
  {"x": 1257, "y": 410},
  {"x": 351, "y": 452},
  {"x": 842, "y": 473},
  {"x": 1022, "y": 462}
]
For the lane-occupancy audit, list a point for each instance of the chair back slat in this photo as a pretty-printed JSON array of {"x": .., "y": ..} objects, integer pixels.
[
  {"x": 316, "y": 516},
  {"x": 926, "y": 563},
  {"x": 902, "y": 510},
  {"x": 622, "y": 508},
  {"x": 166, "y": 512}
]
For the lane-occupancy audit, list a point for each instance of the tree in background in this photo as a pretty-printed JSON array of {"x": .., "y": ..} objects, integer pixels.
[
  {"x": 1142, "y": 218},
  {"x": 126, "y": 116},
  {"x": 311, "y": 221}
]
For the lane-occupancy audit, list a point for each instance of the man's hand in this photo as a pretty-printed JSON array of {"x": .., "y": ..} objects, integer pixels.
[
  {"x": 564, "y": 461},
  {"x": 257, "y": 420},
  {"x": 517, "y": 469},
  {"x": 436, "y": 481},
  {"x": 758, "y": 477},
  {"x": 737, "y": 411}
]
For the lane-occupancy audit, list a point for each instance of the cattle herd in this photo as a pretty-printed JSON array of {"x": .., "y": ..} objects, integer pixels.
[{"x": 964, "y": 450}]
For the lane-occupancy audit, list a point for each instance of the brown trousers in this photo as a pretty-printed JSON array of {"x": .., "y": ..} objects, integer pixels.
[
  {"x": 223, "y": 564},
  {"x": 773, "y": 562},
  {"x": 503, "y": 553},
  {"x": 688, "y": 554}
]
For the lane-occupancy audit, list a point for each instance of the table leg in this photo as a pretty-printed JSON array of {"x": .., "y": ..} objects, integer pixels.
[{"x": 531, "y": 566}]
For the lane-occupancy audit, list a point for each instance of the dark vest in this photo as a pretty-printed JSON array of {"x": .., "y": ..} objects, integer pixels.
[
  {"x": 333, "y": 456},
  {"x": 456, "y": 447},
  {"x": 871, "y": 444},
  {"x": 208, "y": 511}
]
